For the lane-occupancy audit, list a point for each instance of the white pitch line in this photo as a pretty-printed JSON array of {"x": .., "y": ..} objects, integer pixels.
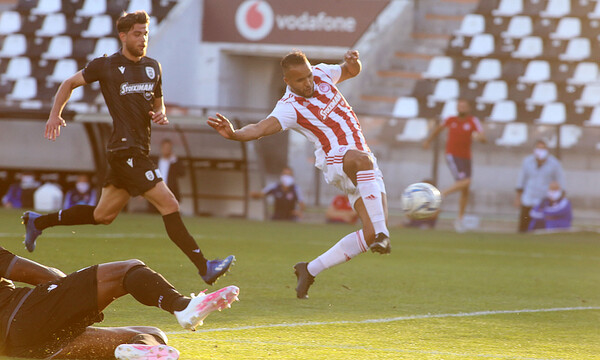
[
  {"x": 505, "y": 253},
  {"x": 386, "y": 320}
]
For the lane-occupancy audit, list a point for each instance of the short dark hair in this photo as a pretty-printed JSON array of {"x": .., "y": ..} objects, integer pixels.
[
  {"x": 166, "y": 141},
  {"x": 127, "y": 20},
  {"x": 296, "y": 57}
]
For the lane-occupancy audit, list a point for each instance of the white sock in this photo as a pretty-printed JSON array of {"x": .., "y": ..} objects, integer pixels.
[
  {"x": 371, "y": 196},
  {"x": 345, "y": 249}
]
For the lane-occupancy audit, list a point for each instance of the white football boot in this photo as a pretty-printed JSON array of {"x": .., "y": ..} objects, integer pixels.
[
  {"x": 146, "y": 352},
  {"x": 202, "y": 305}
]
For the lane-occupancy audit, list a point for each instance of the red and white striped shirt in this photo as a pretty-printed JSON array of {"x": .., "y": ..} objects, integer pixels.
[{"x": 325, "y": 119}]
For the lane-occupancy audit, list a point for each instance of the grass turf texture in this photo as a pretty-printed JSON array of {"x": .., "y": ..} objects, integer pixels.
[{"x": 429, "y": 272}]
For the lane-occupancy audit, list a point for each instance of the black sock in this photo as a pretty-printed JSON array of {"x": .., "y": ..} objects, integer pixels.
[
  {"x": 182, "y": 238},
  {"x": 152, "y": 289},
  {"x": 76, "y": 215}
]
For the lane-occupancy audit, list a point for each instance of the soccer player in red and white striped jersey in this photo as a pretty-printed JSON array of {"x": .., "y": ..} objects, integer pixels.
[{"x": 313, "y": 106}]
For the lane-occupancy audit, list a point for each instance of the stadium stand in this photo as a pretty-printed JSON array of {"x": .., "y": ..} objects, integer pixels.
[{"x": 43, "y": 42}]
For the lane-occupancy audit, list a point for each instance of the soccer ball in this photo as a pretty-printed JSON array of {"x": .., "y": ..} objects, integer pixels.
[{"x": 421, "y": 200}]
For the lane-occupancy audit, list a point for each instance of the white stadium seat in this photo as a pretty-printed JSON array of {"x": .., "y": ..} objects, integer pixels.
[
  {"x": 487, "y": 69},
  {"x": 569, "y": 136},
  {"x": 493, "y": 92},
  {"x": 63, "y": 69},
  {"x": 529, "y": 47},
  {"x": 406, "y": 107},
  {"x": 13, "y": 45},
  {"x": 439, "y": 67},
  {"x": 481, "y": 45},
  {"x": 585, "y": 72},
  {"x": 594, "y": 119},
  {"x": 590, "y": 96},
  {"x": 60, "y": 47},
  {"x": 514, "y": 134},
  {"x": 100, "y": 26},
  {"x": 24, "y": 89},
  {"x": 54, "y": 24},
  {"x": 106, "y": 46},
  {"x": 135, "y": 5},
  {"x": 77, "y": 94},
  {"x": 18, "y": 67},
  {"x": 472, "y": 24},
  {"x": 536, "y": 71},
  {"x": 596, "y": 13},
  {"x": 519, "y": 26},
  {"x": 10, "y": 22},
  {"x": 557, "y": 8},
  {"x": 508, "y": 8},
  {"x": 543, "y": 93},
  {"x": 92, "y": 7},
  {"x": 47, "y": 7},
  {"x": 504, "y": 111},
  {"x": 414, "y": 130},
  {"x": 553, "y": 114},
  {"x": 568, "y": 28},
  {"x": 445, "y": 89},
  {"x": 449, "y": 109},
  {"x": 578, "y": 49}
]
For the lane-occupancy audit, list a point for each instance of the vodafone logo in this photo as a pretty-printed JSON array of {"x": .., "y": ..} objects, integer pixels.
[{"x": 254, "y": 19}]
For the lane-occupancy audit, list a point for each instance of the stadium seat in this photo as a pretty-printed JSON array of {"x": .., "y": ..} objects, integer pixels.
[
  {"x": 514, "y": 134},
  {"x": 594, "y": 119},
  {"x": 536, "y": 71},
  {"x": 568, "y": 28},
  {"x": 10, "y": 22},
  {"x": 487, "y": 69},
  {"x": 557, "y": 8},
  {"x": 54, "y": 24},
  {"x": 13, "y": 45},
  {"x": 529, "y": 47},
  {"x": 590, "y": 95},
  {"x": 406, "y": 107},
  {"x": 504, "y": 111},
  {"x": 569, "y": 136},
  {"x": 449, "y": 109},
  {"x": 519, "y": 26},
  {"x": 415, "y": 129},
  {"x": 481, "y": 45},
  {"x": 47, "y": 7},
  {"x": 77, "y": 94},
  {"x": 104, "y": 46},
  {"x": 596, "y": 13},
  {"x": 92, "y": 7},
  {"x": 553, "y": 114},
  {"x": 472, "y": 24},
  {"x": 24, "y": 89},
  {"x": 508, "y": 8},
  {"x": 543, "y": 93},
  {"x": 59, "y": 47},
  {"x": 493, "y": 92},
  {"x": 100, "y": 26},
  {"x": 18, "y": 67},
  {"x": 585, "y": 72},
  {"x": 135, "y": 5},
  {"x": 63, "y": 69},
  {"x": 445, "y": 89},
  {"x": 578, "y": 49},
  {"x": 439, "y": 67}
]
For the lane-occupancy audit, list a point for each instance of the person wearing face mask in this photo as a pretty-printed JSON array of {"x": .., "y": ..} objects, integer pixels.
[
  {"x": 554, "y": 212},
  {"x": 20, "y": 194},
  {"x": 289, "y": 203},
  {"x": 538, "y": 171},
  {"x": 82, "y": 194}
]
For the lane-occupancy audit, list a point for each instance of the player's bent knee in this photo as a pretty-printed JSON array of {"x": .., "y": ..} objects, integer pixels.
[
  {"x": 363, "y": 162},
  {"x": 104, "y": 219}
]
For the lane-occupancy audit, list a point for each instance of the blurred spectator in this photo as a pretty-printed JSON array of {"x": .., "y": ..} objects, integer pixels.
[
  {"x": 289, "y": 204},
  {"x": 554, "y": 212},
  {"x": 538, "y": 171},
  {"x": 82, "y": 194},
  {"x": 20, "y": 194},
  {"x": 170, "y": 167},
  {"x": 48, "y": 197},
  {"x": 340, "y": 211}
]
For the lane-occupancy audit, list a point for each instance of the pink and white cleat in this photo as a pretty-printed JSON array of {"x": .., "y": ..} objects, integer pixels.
[
  {"x": 202, "y": 305},
  {"x": 146, "y": 352}
]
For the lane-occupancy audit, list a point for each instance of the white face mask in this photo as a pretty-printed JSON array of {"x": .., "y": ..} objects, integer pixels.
[
  {"x": 82, "y": 187},
  {"x": 540, "y": 154},
  {"x": 27, "y": 181},
  {"x": 286, "y": 180},
  {"x": 554, "y": 194}
]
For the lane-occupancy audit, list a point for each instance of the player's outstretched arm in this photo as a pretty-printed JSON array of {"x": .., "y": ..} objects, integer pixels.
[
  {"x": 30, "y": 272},
  {"x": 55, "y": 120},
  {"x": 351, "y": 65},
  {"x": 433, "y": 135},
  {"x": 222, "y": 125}
]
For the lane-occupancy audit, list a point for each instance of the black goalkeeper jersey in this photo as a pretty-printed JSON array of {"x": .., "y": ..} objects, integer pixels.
[{"x": 129, "y": 89}]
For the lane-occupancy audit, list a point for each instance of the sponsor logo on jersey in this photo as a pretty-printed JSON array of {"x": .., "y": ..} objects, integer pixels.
[
  {"x": 150, "y": 175},
  {"x": 335, "y": 101},
  {"x": 324, "y": 88},
  {"x": 150, "y": 72},
  {"x": 254, "y": 19},
  {"x": 122, "y": 69},
  {"x": 467, "y": 127},
  {"x": 130, "y": 162},
  {"x": 138, "y": 88}
]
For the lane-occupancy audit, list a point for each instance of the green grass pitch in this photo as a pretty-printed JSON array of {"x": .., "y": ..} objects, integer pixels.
[{"x": 439, "y": 295}]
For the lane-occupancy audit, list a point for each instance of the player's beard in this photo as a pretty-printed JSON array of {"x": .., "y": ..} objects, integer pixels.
[{"x": 135, "y": 50}]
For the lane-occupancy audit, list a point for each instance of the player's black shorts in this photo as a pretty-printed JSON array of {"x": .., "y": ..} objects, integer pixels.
[
  {"x": 459, "y": 167},
  {"x": 54, "y": 314},
  {"x": 132, "y": 170}
]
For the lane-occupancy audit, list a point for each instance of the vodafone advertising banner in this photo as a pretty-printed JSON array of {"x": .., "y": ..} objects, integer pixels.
[{"x": 306, "y": 22}]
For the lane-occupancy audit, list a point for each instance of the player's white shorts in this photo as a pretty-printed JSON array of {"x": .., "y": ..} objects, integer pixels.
[{"x": 335, "y": 175}]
